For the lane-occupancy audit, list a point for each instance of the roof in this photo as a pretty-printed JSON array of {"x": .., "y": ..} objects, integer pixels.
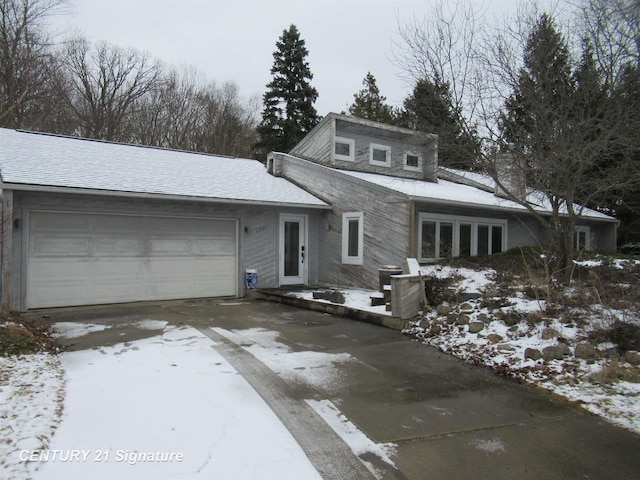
[
  {"x": 35, "y": 161},
  {"x": 449, "y": 192}
]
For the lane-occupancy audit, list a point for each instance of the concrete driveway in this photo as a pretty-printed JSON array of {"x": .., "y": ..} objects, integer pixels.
[{"x": 447, "y": 419}]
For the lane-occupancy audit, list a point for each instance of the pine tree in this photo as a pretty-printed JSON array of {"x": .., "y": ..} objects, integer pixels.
[
  {"x": 536, "y": 110},
  {"x": 288, "y": 113},
  {"x": 369, "y": 104},
  {"x": 429, "y": 109}
]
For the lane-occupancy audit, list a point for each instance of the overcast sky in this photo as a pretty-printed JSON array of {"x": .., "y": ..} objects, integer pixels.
[{"x": 235, "y": 39}]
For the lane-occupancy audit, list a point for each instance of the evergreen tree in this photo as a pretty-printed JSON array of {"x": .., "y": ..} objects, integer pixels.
[
  {"x": 536, "y": 110},
  {"x": 369, "y": 104},
  {"x": 429, "y": 109},
  {"x": 566, "y": 138},
  {"x": 288, "y": 113}
]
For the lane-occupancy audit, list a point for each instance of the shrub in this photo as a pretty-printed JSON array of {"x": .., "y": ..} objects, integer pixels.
[{"x": 625, "y": 335}]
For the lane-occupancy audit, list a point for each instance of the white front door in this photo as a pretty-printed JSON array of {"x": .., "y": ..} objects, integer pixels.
[{"x": 293, "y": 249}]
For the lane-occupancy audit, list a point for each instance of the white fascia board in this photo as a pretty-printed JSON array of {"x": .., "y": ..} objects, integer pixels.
[{"x": 159, "y": 196}]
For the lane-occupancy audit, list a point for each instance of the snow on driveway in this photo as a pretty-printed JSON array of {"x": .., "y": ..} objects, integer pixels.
[{"x": 164, "y": 407}]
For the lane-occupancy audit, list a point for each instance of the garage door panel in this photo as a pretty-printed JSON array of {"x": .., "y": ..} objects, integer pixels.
[{"x": 117, "y": 258}]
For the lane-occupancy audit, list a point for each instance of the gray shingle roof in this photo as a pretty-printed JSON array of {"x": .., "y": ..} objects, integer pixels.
[{"x": 30, "y": 159}]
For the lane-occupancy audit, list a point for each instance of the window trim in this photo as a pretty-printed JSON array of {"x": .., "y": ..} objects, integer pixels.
[
  {"x": 587, "y": 237},
  {"x": 386, "y": 149},
  {"x": 410, "y": 167},
  {"x": 352, "y": 146},
  {"x": 475, "y": 222},
  {"x": 346, "y": 218}
]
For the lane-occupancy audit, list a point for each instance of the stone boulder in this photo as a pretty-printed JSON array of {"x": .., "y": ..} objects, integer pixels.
[
  {"x": 532, "y": 353},
  {"x": 334, "y": 296},
  {"x": 512, "y": 318},
  {"x": 585, "y": 351},
  {"x": 495, "y": 338},
  {"x": 550, "y": 334},
  {"x": 475, "y": 326},
  {"x": 632, "y": 357},
  {"x": 556, "y": 352},
  {"x": 443, "y": 310}
]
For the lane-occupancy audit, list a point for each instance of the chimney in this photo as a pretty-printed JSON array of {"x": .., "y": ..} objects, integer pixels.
[{"x": 510, "y": 172}]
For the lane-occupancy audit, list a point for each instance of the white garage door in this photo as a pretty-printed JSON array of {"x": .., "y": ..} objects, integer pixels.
[{"x": 86, "y": 259}]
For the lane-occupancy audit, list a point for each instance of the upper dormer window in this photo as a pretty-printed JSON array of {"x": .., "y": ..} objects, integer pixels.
[
  {"x": 412, "y": 161},
  {"x": 380, "y": 155},
  {"x": 344, "y": 149}
]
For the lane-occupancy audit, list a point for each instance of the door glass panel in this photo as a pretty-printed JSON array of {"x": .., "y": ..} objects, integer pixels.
[
  {"x": 428, "y": 247},
  {"x": 483, "y": 239},
  {"x": 291, "y": 249},
  {"x": 496, "y": 239},
  {"x": 465, "y": 239}
]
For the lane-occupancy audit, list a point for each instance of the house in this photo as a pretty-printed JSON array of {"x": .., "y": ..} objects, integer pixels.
[
  {"x": 390, "y": 201},
  {"x": 91, "y": 222}
]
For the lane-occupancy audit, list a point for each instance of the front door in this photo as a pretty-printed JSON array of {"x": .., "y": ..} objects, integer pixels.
[{"x": 293, "y": 245}]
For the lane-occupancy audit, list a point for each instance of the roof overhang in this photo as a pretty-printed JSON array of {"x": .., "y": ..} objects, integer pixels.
[{"x": 155, "y": 196}]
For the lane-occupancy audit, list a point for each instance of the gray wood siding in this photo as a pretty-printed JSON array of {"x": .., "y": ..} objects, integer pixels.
[
  {"x": 317, "y": 146},
  {"x": 258, "y": 245},
  {"x": 399, "y": 142},
  {"x": 386, "y": 223}
]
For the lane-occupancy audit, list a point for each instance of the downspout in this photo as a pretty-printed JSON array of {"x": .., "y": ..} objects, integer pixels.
[
  {"x": 411, "y": 250},
  {"x": 6, "y": 248}
]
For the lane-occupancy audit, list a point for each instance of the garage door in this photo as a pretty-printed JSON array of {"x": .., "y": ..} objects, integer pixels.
[{"x": 86, "y": 259}]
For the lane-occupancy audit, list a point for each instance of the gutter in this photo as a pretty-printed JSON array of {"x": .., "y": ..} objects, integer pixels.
[
  {"x": 456, "y": 203},
  {"x": 155, "y": 196}
]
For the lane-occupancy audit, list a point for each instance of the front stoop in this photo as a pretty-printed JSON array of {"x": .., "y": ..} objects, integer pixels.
[{"x": 281, "y": 295}]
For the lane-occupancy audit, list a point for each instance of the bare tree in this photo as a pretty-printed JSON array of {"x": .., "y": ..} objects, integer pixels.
[
  {"x": 168, "y": 114},
  {"x": 102, "y": 85},
  {"x": 227, "y": 126},
  {"x": 574, "y": 135},
  {"x": 23, "y": 57}
]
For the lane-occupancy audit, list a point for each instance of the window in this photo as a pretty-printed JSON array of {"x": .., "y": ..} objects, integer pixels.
[
  {"x": 445, "y": 236},
  {"x": 581, "y": 239},
  {"x": 379, "y": 155},
  {"x": 352, "y": 237},
  {"x": 412, "y": 161},
  {"x": 344, "y": 149}
]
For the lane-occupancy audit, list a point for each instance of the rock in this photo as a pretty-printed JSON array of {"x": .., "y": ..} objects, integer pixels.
[
  {"x": 484, "y": 318},
  {"x": 443, "y": 310},
  {"x": 557, "y": 352},
  {"x": 532, "y": 353},
  {"x": 462, "y": 320},
  {"x": 505, "y": 347},
  {"x": 466, "y": 308},
  {"x": 466, "y": 296},
  {"x": 495, "y": 338},
  {"x": 550, "y": 334},
  {"x": 333, "y": 296},
  {"x": 632, "y": 357},
  {"x": 435, "y": 329},
  {"x": 17, "y": 332},
  {"x": 585, "y": 351},
  {"x": 564, "y": 319},
  {"x": 475, "y": 326},
  {"x": 512, "y": 318},
  {"x": 452, "y": 318}
]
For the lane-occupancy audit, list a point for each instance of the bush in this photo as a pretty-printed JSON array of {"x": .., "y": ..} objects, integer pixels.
[
  {"x": 19, "y": 335},
  {"x": 625, "y": 335}
]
